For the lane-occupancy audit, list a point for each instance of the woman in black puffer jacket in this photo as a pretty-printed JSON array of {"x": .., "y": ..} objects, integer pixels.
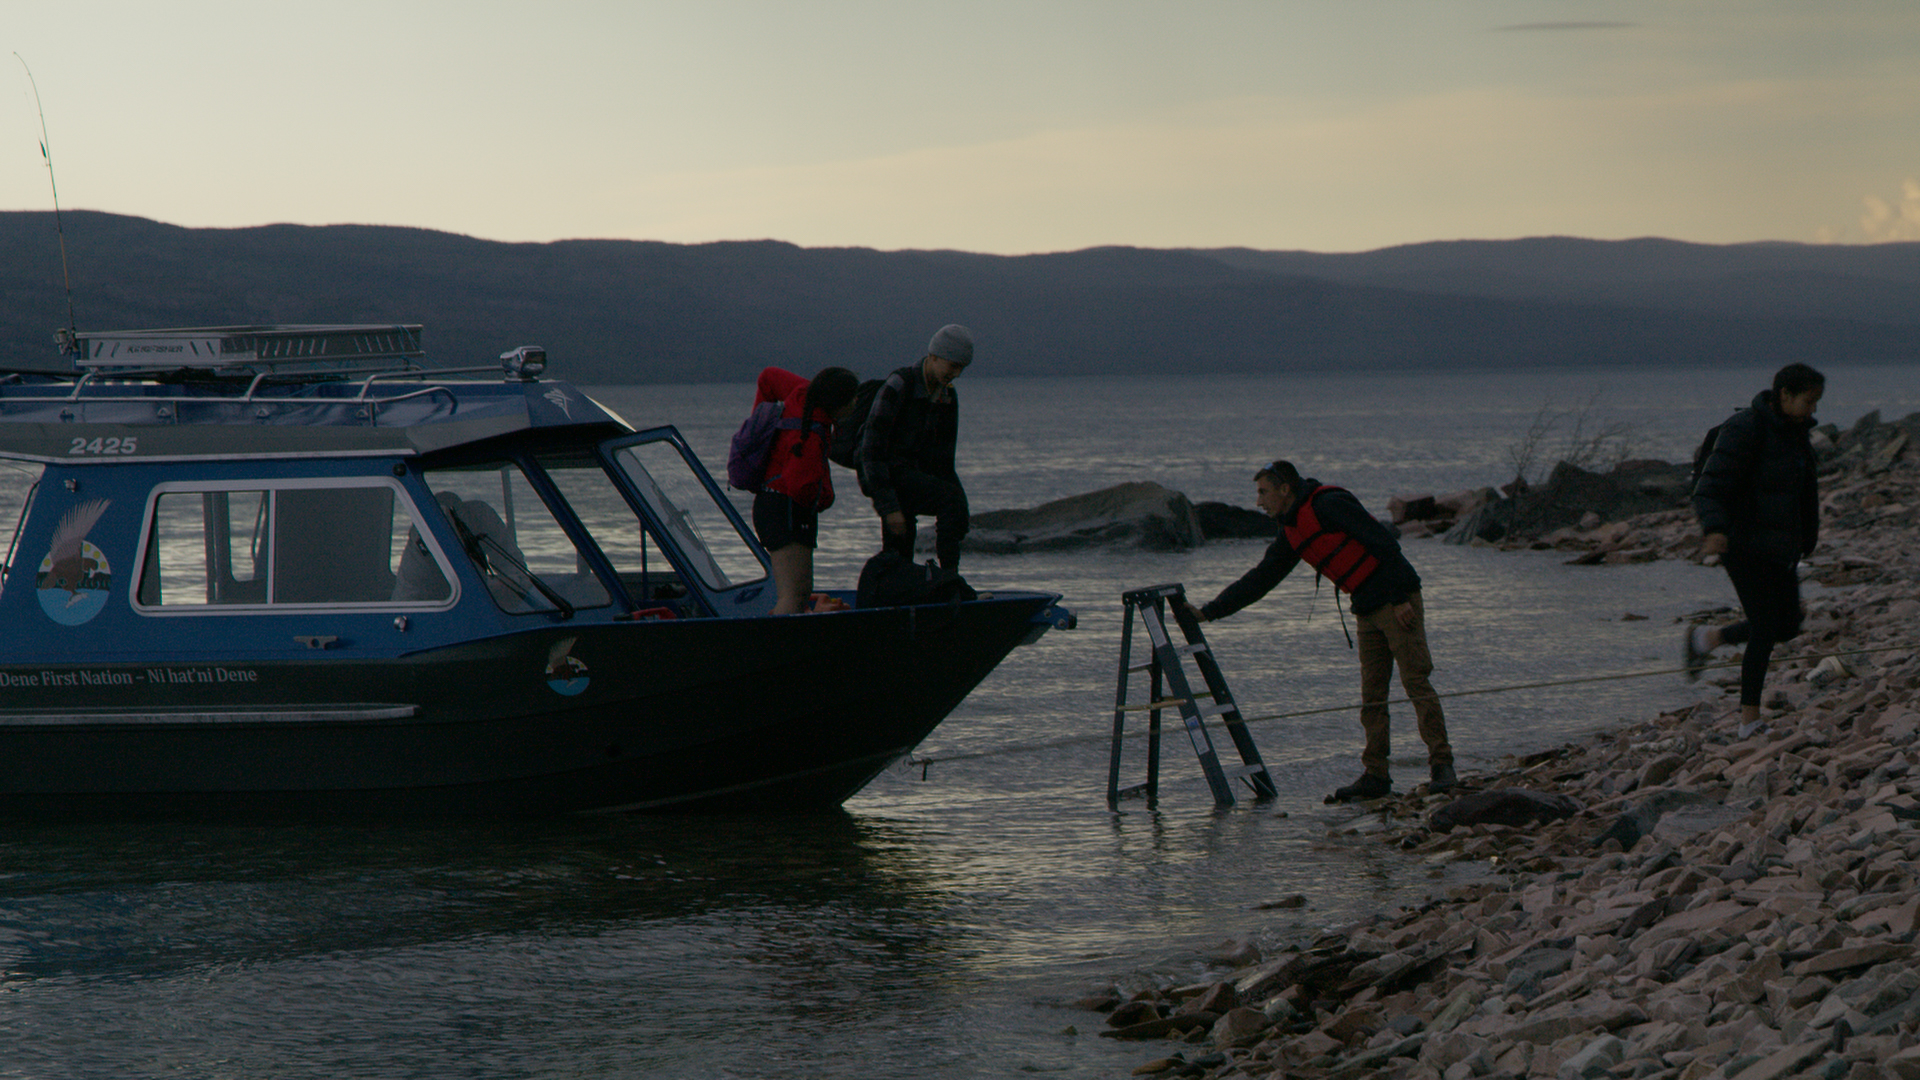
[{"x": 1758, "y": 501}]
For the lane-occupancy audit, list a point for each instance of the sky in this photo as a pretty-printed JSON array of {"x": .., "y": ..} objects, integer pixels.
[{"x": 979, "y": 125}]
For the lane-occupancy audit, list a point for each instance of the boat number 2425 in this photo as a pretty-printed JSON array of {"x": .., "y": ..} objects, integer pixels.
[{"x": 104, "y": 446}]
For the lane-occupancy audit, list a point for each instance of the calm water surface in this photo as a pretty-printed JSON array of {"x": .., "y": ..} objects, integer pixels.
[{"x": 933, "y": 927}]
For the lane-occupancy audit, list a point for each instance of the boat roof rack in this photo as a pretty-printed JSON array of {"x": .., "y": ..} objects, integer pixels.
[{"x": 302, "y": 348}]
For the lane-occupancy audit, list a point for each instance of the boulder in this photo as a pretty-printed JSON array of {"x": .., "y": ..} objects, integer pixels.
[
  {"x": 1513, "y": 807},
  {"x": 1221, "y": 521},
  {"x": 1466, "y": 501},
  {"x": 1490, "y": 521},
  {"x": 1628, "y": 489},
  {"x": 1140, "y": 514},
  {"x": 1404, "y": 508},
  {"x": 1639, "y": 821}
]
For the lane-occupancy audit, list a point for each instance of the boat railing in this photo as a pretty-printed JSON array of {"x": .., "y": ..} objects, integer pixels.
[
  {"x": 258, "y": 366},
  {"x": 95, "y": 386}
]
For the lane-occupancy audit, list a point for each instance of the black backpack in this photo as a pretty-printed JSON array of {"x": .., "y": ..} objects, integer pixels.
[
  {"x": 1702, "y": 452},
  {"x": 845, "y": 450},
  {"x": 890, "y": 579}
]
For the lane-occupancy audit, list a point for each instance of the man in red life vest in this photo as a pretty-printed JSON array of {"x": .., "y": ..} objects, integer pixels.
[{"x": 1328, "y": 528}]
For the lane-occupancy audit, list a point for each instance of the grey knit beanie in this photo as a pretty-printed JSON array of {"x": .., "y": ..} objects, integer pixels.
[{"x": 954, "y": 343}]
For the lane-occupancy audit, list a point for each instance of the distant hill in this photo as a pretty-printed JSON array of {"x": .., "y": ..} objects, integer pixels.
[
  {"x": 638, "y": 311},
  {"x": 1873, "y": 283}
]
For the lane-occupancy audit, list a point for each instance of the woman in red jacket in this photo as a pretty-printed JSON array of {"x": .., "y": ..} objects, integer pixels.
[{"x": 786, "y": 510}]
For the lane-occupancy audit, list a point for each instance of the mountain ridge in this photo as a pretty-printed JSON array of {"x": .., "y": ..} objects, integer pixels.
[{"x": 636, "y": 311}]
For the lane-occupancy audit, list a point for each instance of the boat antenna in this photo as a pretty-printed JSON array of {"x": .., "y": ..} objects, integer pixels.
[{"x": 71, "y": 337}]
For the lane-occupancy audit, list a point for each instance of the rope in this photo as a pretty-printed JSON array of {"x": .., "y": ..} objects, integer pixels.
[{"x": 1077, "y": 740}]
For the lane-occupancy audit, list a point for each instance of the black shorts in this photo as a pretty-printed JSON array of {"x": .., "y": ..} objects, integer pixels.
[{"x": 780, "y": 521}]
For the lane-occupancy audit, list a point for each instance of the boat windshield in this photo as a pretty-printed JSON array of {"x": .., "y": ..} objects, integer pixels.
[
  {"x": 715, "y": 547},
  {"x": 528, "y": 562},
  {"x": 645, "y": 570}
]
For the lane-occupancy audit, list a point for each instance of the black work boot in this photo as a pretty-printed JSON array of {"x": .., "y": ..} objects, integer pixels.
[
  {"x": 1443, "y": 777},
  {"x": 1369, "y": 786}
]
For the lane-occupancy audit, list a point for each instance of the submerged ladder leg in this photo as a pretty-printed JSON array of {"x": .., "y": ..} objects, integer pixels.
[
  {"x": 1120, "y": 715},
  {"x": 1167, "y": 663},
  {"x": 1150, "y": 789}
]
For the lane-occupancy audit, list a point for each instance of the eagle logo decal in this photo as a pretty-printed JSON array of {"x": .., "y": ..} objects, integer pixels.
[
  {"x": 74, "y": 578},
  {"x": 565, "y": 673}
]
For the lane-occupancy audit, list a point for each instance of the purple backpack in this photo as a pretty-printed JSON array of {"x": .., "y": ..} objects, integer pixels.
[{"x": 753, "y": 444}]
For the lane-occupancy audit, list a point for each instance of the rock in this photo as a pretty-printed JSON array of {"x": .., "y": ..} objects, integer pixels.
[
  {"x": 1455, "y": 503},
  {"x": 1905, "y": 1064},
  {"x": 1629, "y": 488},
  {"x": 1490, "y": 522},
  {"x": 1219, "y": 521},
  {"x": 1597, "y": 1058},
  {"x": 1639, "y": 821},
  {"x": 1512, "y": 807},
  {"x": 1133, "y": 1012},
  {"x": 1679, "y": 825},
  {"x": 1856, "y": 957},
  {"x": 1160, "y": 1028},
  {"x": 1141, "y": 514},
  {"x": 1553, "y": 1024},
  {"x": 1237, "y": 1025},
  {"x": 1659, "y": 770},
  {"x": 1787, "y": 1062},
  {"x": 1217, "y": 998},
  {"x": 1404, "y": 508}
]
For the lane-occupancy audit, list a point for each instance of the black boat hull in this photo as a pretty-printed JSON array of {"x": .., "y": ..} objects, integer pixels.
[{"x": 792, "y": 714}]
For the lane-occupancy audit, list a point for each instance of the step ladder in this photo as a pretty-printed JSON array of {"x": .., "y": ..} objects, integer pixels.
[{"x": 1167, "y": 663}]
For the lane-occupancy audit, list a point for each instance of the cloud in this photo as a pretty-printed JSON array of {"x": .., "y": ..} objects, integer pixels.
[{"x": 1900, "y": 220}]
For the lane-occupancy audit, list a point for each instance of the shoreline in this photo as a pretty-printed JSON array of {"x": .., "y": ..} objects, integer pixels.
[{"x": 1675, "y": 897}]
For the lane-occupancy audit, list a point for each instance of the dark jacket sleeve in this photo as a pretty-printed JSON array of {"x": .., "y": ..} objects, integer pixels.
[
  {"x": 1723, "y": 477},
  {"x": 942, "y": 457},
  {"x": 1255, "y": 583},
  {"x": 876, "y": 443}
]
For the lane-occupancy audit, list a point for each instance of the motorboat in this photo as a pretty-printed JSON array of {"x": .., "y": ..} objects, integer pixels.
[{"x": 293, "y": 570}]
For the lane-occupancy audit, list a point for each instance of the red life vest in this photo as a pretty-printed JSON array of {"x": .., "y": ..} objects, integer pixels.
[
  {"x": 797, "y": 467},
  {"x": 1338, "y": 557}
]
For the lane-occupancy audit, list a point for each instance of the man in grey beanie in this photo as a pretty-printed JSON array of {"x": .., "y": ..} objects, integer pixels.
[{"x": 907, "y": 448}]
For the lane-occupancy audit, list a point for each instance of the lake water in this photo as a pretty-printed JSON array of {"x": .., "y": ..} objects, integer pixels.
[{"x": 934, "y": 928}]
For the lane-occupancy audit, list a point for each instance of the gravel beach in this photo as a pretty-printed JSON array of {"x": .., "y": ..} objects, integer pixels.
[{"x": 1678, "y": 897}]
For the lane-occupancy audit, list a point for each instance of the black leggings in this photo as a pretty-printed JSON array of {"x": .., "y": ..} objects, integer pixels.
[{"x": 1770, "y": 599}]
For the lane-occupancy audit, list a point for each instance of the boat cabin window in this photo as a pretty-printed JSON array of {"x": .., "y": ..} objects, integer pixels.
[
  {"x": 714, "y": 546},
  {"x": 527, "y": 560},
  {"x": 317, "y": 544}
]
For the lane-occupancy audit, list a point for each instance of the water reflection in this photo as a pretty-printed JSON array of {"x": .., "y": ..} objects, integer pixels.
[{"x": 101, "y": 901}]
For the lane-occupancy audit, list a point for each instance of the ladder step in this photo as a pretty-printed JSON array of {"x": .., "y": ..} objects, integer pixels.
[
  {"x": 1163, "y": 703},
  {"x": 1237, "y": 771}
]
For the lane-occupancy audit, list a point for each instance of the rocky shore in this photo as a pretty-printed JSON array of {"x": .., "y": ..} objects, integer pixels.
[{"x": 1677, "y": 898}]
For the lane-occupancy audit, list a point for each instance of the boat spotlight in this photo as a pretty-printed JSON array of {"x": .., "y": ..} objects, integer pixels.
[{"x": 525, "y": 363}]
